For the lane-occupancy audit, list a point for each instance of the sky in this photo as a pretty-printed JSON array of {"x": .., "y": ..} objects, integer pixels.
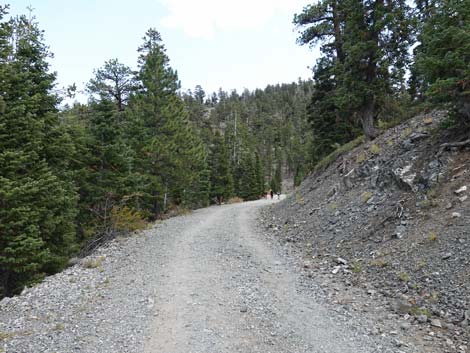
[{"x": 213, "y": 43}]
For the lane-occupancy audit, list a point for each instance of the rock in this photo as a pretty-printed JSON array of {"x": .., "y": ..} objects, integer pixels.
[
  {"x": 436, "y": 323},
  {"x": 456, "y": 215},
  {"x": 400, "y": 231},
  {"x": 448, "y": 206},
  {"x": 461, "y": 190},
  {"x": 402, "y": 307},
  {"x": 407, "y": 144},
  {"x": 463, "y": 198},
  {"x": 336, "y": 270},
  {"x": 422, "y": 319},
  {"x": 244, "y": 309},
  {"x": 434, "y": 164},
  {"x": 74, "y": 261},
  {"x": 466, "y": 321},
  {"x": 375, "y": 331},
  {"x": 341, "y": 261},
  {"x": 332, "y": 192},
  {"x": 404, "y": 177},
  {"x": 398, "y": 343},
  {"x": 446, "y": 256},
  {"x": 428, "y": 121},
  {"x": 405, "y": 326},
  {"x": 416, "y": 136}
]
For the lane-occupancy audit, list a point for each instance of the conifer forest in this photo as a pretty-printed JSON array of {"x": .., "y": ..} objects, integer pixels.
[{"x": 141, "y": 149}]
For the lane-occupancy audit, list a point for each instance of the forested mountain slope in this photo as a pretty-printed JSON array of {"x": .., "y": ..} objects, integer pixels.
[
  {"x": 73, "y": 177},
  {"x": 270, "y": 123}
]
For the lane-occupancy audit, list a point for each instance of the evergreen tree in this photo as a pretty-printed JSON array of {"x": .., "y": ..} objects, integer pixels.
[
  {"x": 106, "y": 167},
  {"x": 259, "y": 176},
  {"x": 37, "y": 206},
  {"x": 276, "y": 181},
  {"x": 364, "y": 71},
  {"x": 169, "y": 154},
  {"x": 114, "y": 81},
  {"x": 443, "y": 58},
  {"x": 248, "y": 179},
  {"x": 221, "y": 176},
  {"x": 331, "y": 126}
]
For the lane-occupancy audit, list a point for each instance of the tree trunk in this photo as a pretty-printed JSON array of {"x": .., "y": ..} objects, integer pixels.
[{"x": 367, "y": 118}]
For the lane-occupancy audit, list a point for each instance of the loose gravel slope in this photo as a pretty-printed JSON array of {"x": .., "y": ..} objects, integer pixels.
[{"x": 206, "y": 282}]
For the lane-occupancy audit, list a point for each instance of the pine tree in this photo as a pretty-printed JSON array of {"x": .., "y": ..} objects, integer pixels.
[
  {"x": 169, "y": 153},
  {"x": 114, "y": 81},
  {"x": 105, "y": 173},
  {"x": 221, "y": 176},
  {"x": 276, "y": 181},
  {"x": 331, "y": 125},
  {"x": 443, "y": 58},
  {"x": 259, "y": 175},
  {"x": 37, "y": 206},
  {"x": 364, "y": 71},
  {"x": 248, "y": 178}
]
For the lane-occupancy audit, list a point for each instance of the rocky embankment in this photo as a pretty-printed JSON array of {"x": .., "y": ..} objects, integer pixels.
[{"x": 386, "y": 228}]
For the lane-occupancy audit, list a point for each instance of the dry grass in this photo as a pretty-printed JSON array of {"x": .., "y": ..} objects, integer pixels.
[
  {"x": 375, "y": 149},
  {"x": 379, "y": 263},
  {"x": 366, "y": 196},
  {"x": 233, "y": 200},
  {"x": 126, "y": 219},
  {"x": 94, "y": 263},
  {"x": 325, "y": 162},
  {"x": 6, "y": 335},
  {"x": 433, "y": 236},
  {"x": 361, "y": 157},
  {"x": 404, "y": 277}
]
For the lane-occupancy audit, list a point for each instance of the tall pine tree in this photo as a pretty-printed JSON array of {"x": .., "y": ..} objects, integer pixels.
[
  {"x": 37, "y": 207},
  {"x": 169, "y": 155}
]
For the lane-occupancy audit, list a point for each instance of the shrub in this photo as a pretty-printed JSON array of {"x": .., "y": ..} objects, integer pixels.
[
  {"x": 126, "y": 219},
  {"x": 325, "y": 162},
  {"x": 93, "y": 263},
  {"x": 356, "y": 268},
  {"x": 375, "y": 149},
  {"x": 366, "y": 196},
  {"x": 361, "y": 157},
  {"x": 416, "y": 311},
  {"x": 379, "y": 263},
  {"x": 404, "y": 277},
  {"x": 433, "y": 236},
  {"x": 235, "y": 199}
]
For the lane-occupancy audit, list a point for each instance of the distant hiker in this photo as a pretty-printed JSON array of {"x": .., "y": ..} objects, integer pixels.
[
  {"x": 272, "y": 194},
  {"x": 278, "y": 195}
]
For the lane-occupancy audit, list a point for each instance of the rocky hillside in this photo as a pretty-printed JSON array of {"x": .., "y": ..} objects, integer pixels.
[{"x": 391, "y": 220}]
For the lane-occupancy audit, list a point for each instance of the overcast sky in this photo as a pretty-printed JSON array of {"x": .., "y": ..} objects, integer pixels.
[{"x": 214, "y": 43}]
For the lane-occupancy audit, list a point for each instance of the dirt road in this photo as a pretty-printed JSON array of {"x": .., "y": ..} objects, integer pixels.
[
  {"x": 225, "y": 289},
  {"x": 208, "y": 282}
]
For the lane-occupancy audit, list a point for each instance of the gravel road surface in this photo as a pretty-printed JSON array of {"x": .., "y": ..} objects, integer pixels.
[{"x": 207, "y": 282}]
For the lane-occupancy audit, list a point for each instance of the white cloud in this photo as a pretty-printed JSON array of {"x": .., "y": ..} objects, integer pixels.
[{"x": 204, "y": 18}]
